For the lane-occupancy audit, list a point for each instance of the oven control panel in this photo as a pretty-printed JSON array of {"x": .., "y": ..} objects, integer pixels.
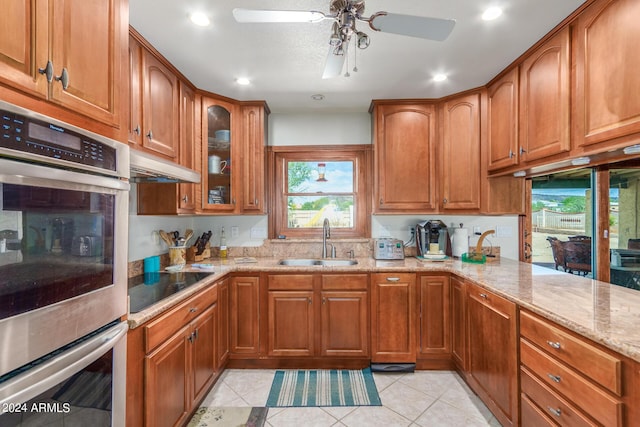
[{"x": 29, "y": 135}]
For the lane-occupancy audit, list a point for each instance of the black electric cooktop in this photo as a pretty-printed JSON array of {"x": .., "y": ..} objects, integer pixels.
[{"x": 148, "y": 289}]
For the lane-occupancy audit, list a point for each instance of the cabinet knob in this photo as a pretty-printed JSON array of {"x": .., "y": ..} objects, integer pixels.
[
  {"x": 137, "y": 130},
  {"x": 553, "y": 344},
  {"x": 393, "y": 279},
  {"x": 324, "y": 300},
  {"x": 555, "y": 411},
  {"x": 47, "y": 71},
  {"x": 150, "y": 135},
  {"x": 309, "y": 300},
  {"x": 485, "y": 296},
  {"x": 444, "y": 200},
  {"x": 522, "y": 151},
  {"x": 185, "y": 199},
  {"x": 63, "y": 78},
  {"x": 554, "y": 378},
  {"x": 193, "y": 310},
  {"x": 511, "y": 154},
  {"x": 381, "y": 202},
  {"x": 257, "y": 202}
]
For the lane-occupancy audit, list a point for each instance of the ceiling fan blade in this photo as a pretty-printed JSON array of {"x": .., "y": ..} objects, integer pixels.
[
  {"x": 268, "y": 16},
  {"x": 414, "y": 26},
  {"x": 334, "y": 64}
]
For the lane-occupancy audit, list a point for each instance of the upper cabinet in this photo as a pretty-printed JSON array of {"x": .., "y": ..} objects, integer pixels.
[
  {"x": 404, "y": 160},
  {"x": 221, "y": 148},
  {"x": 153, "y": 120},
  {"x": 502, "y": 121},
  {"x": 606, "y": 106},
  {"x": 69, "y": 52},
  {"x": 254, "y": 138},
  {"x": 544, "y": 100},
  {"x": 461, "y": 153}
]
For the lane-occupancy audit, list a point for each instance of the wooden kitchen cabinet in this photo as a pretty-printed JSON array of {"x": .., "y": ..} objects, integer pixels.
[
  {"x": 493, "y": 352},
  {"x": 68, "y": 52},
  {"x": 404, "y": 157},
  {"x": 393, "y": 318},
  {"x": 606, "y": 108},
  {"x": 254, "y": 138},
  {"x": 459, "y": 333},
  {"x": 545, "y": 100},
  {"x": 175, "y": 198},
  {"x": 222, "y": 347},
  {"x": 171, "y": 362},
  {"x": 435, "y": 320},
  {"x": 502, "y": 121},
  {"x": 344, "y": 317},
  {"x": 244, "y": 312},
  {"x": 461, "y": 153}
]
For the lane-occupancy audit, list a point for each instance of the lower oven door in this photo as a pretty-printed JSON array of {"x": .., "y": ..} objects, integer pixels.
[{"x": 81, "y": 384}]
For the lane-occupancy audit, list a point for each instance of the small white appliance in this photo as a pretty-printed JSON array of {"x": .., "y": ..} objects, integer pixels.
[{"x": 388, "y": 249}]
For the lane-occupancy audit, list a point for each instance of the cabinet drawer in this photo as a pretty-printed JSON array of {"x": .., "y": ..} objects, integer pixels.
[
  {"x": 552, "y": 405},
  {"x": 603, "y": 407},
  {"x": 344, "y": 281},
  {"x": 157, "y": 331},
  {"x": 290, "y": 282},
  {"x": 532, "y": 416},
  {"x": 490, "y": 299},
  {"x": 578, "y": 353}
]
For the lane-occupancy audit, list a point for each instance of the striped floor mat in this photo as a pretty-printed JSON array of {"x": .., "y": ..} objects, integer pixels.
[{"x": 323, "y": 388}]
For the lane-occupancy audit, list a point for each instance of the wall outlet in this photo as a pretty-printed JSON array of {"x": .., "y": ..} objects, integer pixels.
[
  {"x": 476, "y": 230},
  {"x": 235, "y": 231}
]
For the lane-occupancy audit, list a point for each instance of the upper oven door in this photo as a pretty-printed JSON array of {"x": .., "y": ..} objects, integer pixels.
[{"x": 63, "y": 258}]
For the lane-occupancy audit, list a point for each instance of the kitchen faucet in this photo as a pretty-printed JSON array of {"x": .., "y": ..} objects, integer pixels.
[{"x": 326, "y": 233}]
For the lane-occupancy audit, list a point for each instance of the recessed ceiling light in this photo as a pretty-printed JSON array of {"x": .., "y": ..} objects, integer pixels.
[
  {"x": 317, "y": 97},
  {"x": 243, "y": 81},
  {"x": 491, "y": 13},
  {"x": 439, "y": 77},
  {"x": 200, "y": 19}
]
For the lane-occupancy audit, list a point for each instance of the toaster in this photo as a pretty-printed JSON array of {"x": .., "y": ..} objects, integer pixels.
[
  {"x": 86, "y": 246},
  {"x": 388, "y": 249}
]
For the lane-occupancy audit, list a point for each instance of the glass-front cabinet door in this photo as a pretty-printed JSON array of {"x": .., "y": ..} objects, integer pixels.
[{"x": 220, "y": 145}]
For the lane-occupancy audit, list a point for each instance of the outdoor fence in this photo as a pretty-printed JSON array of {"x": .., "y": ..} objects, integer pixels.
[{"x": 548, "y": 219}]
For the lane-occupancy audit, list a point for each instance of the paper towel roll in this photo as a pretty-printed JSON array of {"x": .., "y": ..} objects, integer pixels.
[{"x": 460, "y": 242}]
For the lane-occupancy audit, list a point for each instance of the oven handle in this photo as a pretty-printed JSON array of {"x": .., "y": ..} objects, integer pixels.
[{"x": 41, "y": 378}]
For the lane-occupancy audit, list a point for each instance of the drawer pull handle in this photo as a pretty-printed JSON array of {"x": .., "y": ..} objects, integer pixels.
[
  {"x": 393, "y": 279},
  {"x": 552, "y": 344},
  {"x": 555, "y": 378},
  {"x": 557, "y": 412},
  {"x": 485, "y": 296},
  {"x": 193, "y": 310}
]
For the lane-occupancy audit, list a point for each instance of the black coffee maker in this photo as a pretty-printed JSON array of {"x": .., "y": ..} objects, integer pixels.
[{"x": 431, "y": 234}]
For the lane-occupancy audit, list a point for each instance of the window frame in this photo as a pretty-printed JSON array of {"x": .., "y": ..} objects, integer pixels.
[{"x": 278, "y": 158}]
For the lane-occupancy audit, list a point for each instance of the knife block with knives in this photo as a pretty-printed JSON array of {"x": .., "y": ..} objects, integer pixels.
[{"x": 201, "y": 249}]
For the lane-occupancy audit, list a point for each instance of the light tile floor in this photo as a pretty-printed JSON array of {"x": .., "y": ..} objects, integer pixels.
[{"x": 419, "y": 399}]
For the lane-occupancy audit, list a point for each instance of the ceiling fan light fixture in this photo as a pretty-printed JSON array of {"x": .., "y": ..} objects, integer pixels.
[
  {"x": 200, "y": 19},
  {"x": 363, "y": 40},
  {"x": 491, "y": 13},
  {"x": 243, "y": 81}
]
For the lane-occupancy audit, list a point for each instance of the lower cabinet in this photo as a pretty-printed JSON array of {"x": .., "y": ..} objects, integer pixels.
[
  {"x": 459, "y": 324},
  {"x": 435, "y": 321},
  {"x": 222, "y": 340},
  {"x": 244, "y": 330},
  {"x": 393, "y": 318},
  {"x": 493, "y": 352},
  {"x": 312, "y": 315},
  {"x": 172, "y": 362}
]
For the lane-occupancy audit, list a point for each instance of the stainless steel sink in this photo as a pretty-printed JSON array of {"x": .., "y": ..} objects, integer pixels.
[{"x": 328, "y": 262}]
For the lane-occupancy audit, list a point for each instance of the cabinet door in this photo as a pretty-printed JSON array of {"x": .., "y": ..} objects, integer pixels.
[
  {"x": 393, "y": 318},
  {"x": 161, "y": 108},
  {"x": 87, "y": 54},
  {"x": 344, "y": 323},
  {"x": 24, "y": 49},
  {"x": 607, "y": 81},
  {"x": 223, "y": 324},
  {"x": 404, "y": 158},
  {"x": 435, "y": 322},
  {"x": 253, "y": 175},
  {"x": 204, "y": 352},
  {"x": 461, "y": 153},
  {"x": 221, "y": 145},
  {"x": 291, "y": 323},
  {"x": 502, "y": 120},
  {"x": 544, "y": 99},
  {"x": 244, "y": 328},
  {"x": 167, "y": 380},
  {"x": 187, "y": 192},
  {"x": 493, "y": 352},
  {"x": 135, "y": 93},
  {"x": 458, "y": 323}
]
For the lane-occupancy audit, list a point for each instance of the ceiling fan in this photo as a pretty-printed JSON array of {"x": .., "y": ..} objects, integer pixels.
[{"x": 345, "y": 14}]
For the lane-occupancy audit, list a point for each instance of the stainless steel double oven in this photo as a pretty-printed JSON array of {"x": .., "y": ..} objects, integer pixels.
[{"x": 62, "y": 304}]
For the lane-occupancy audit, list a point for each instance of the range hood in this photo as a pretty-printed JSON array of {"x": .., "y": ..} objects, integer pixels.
[{"x": 149, "y": 168}]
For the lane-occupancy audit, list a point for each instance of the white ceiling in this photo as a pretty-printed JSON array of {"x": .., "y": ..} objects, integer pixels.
[{"x": 285, "y": 61}]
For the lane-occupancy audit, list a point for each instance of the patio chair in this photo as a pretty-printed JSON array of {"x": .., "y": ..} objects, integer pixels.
[
  {"x": 577, "y": 256},
  {"x": 558, "y": 251},
  {"x": 633, "y": 244}
]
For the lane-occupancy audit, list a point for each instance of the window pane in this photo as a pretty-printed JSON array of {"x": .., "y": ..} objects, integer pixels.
[
  {"x": 624, "y": 227},
  {"x": 310, "y": 211},
  {"x": 320, "y": 177}
]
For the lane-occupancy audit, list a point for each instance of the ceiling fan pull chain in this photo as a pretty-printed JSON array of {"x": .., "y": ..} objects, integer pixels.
[
  {"x": 355, "y": 60},
  {"x": 346, "y": 74}
]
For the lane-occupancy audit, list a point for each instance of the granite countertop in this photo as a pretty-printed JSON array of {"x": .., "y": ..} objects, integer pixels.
[{"x": 605, "y": 313}]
